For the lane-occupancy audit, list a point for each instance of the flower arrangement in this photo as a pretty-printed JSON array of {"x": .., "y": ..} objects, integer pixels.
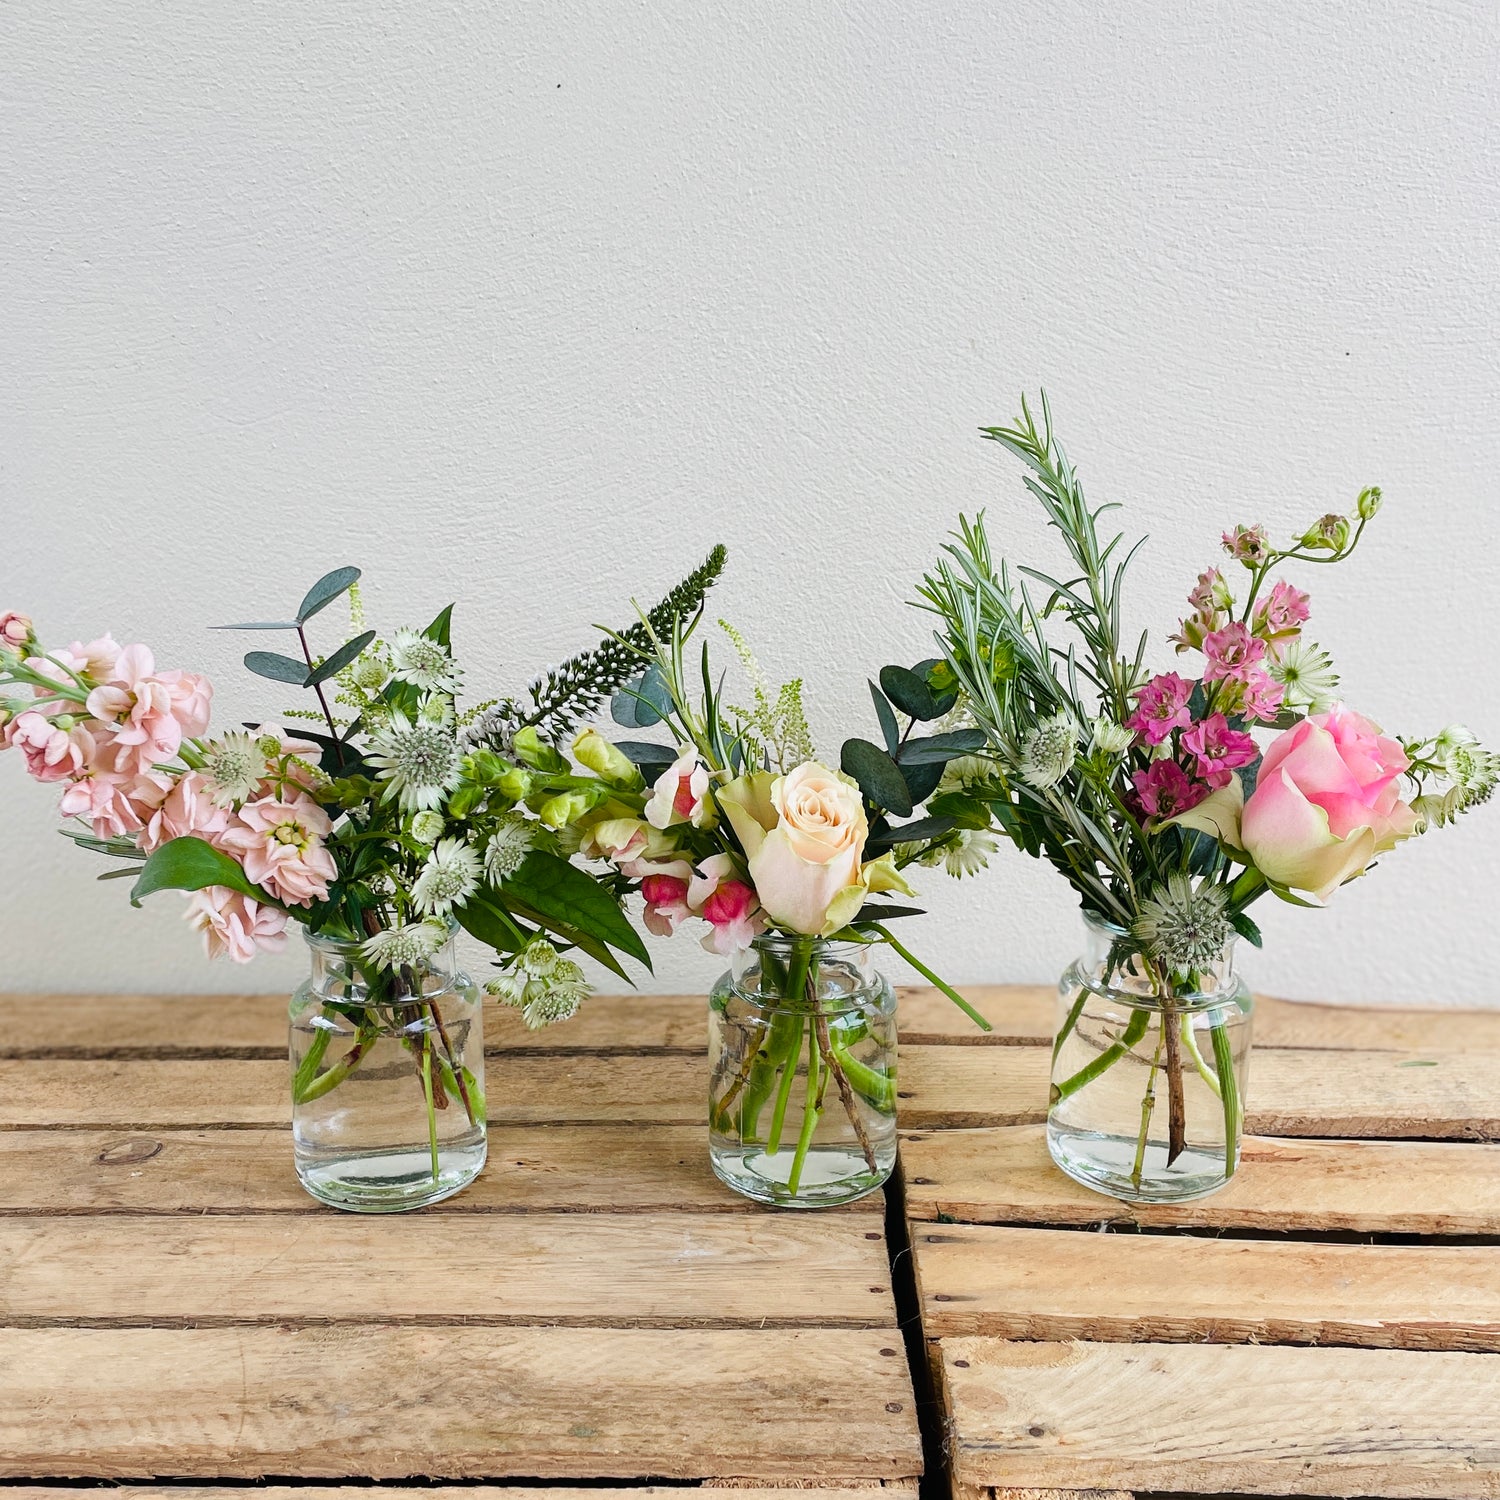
[{"x": 1152, "y": 792}]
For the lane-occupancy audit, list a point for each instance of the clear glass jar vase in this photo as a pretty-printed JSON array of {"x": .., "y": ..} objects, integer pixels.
[
  {"x": 802, "y": 1073},
  {"x": 1148, "y": 1076},
  {"x": 387, "y": 1080}
]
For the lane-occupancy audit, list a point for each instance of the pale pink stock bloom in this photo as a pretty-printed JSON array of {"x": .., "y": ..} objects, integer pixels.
[
  {"x": 280, "y": 844},
  {"x": 112, "y": 794},
  {"x": 236, "y": 926},
  {"x": 94, "y": 660},
  {"x": 15, "y": 629},
  {"x": 666, "y": 903},
  {"x": 187, "y": 811},
  {"x": 680, "y": 794},
  {"x": 734, "y": 917},
  {"x": 52, "y": 753},
  {"x": 151, "y": 712}
]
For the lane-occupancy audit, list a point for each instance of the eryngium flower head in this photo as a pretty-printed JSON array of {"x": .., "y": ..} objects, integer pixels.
[
  {"x": 1048, "y": 751},
  {"x": 419, "y": 762},
  {"x": 1183, "y": 928}
]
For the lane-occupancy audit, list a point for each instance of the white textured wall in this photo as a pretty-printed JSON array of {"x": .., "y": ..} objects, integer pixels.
[{"x": 526, "y": 305}]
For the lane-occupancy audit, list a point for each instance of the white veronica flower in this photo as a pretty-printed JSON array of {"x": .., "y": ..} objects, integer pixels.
[
  {"x": 396, "y": 947},
  {"x": 1309, "y": 683},
  {"x": 234, "y": 766},
  {"x": 971, "y": 853},
  {"x": 423, "y": 663},
  {"x": 449, "y": 878},
  {"x": 420, "y": 762},
  {"x": 513, "y": 839}
]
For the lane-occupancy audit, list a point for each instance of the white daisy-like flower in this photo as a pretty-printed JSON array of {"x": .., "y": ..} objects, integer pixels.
[
  {"x": 424, "y": 663},
  {"x": 234, "y": 766},
  {"x": 396, "y": 947},
  {"x": 427, "y": 827},
  {"x": 370, "y": 671},
  {"x": 513, "y": 839},
  {"x": 1185, "y": 928},
  {"x": 963, "y": 771},
  {"x": 1305, "y": 672},
  {"x": 556, "y": 998},
  {"x": 419, "y": 762},
  {"x": 971, "y": 853},
  {"x": 1048, "y": 751},
  {"x": 449, "y": 878}
]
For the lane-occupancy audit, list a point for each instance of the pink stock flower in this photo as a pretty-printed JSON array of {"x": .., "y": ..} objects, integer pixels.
[
  {"x": 1247, "y": 544},
  {"x": 1218, "y": 749},
  {"x": 149, "y": 711},
  {"x": 1166, "y": 790},
  {"x": 681, "y": 794},
  {"x": 1326, "y": 803},
  {"x": 1161, "y": 707},
  {"x": 187, "y": 811},
  {"x": 235, "y": 926},
  {"x": 666, "y": 903},
  {"x": 52, "y": 753},
  {"x": 1211, "y": 600},
  {"x": 1262, "y": 697},
  {"x": 734, "y": 916},
  {"x": 115, "y": 797},
  {"x": 15, "y": 630},
  {"x": 1280, "y": 617},
  {"x": 280, "y": 844},
  {"x": 1231, "y": 653}
]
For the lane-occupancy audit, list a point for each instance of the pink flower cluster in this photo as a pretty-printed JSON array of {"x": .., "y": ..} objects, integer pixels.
[
  {"x": 1209, "y": 751},
  {"x": 712, "y": 891}
]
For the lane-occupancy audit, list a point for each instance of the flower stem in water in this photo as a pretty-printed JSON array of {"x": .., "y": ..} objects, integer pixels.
[
  {"x": 812, "y": 1110},
  {"x": 1148, "y": 1104}
]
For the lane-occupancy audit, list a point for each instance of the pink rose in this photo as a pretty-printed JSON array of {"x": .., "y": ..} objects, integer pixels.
[
  {"x": 280, "y": 844},
  {"x": 151, "y": 712},
  {"x": 187, "y": 811},
  {"x": 235, "y": 926},
  {"x": 1326, "y": 803},
  {"x": 1218, "y": 749},
  {"x": 1161, "y": 707},
  {"x": 52, "y": 753}
]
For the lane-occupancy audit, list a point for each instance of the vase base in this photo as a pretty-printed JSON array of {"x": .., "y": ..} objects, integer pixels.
[
  {"x": 390, "y": 1182},
  {"x": 1107, "y": 1164},
  {"x": 830, "y": 1175}
]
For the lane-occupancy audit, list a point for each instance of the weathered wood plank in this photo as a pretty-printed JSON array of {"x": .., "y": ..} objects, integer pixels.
[
  {"x": 663, "y": 1270},
  {"x": 1005, "y": 1175},
  {"x": 455, "y": 1402},
  {"x": 1026, "y": 1013},
  {"x": 584, "y": 1169},
  {"x": 1442, "y": 1095},
  {"x": 1231, "y": 1419},
  {"x": 1051, "y": 1285},
  {"x": 895, "y": 1489}
]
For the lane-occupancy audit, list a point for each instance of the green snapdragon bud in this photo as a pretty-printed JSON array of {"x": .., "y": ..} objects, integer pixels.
[
  {"x": 532, "y": 750},
  {"x": 606, "y": 760},
  {"x": 483, "y": 767},
  {"x": 515, "y": 784},
  {"x": 568, "y": 807}
]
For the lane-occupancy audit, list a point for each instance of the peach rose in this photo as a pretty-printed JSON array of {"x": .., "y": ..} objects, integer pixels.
[{"x": 1327, "y": 801}]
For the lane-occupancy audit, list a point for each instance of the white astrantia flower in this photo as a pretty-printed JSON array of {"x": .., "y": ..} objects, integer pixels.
[
  {"x": 971, "y": 853},
  {"x": 427, "y": 827},
  {"x": 396, "y": 947},
  {"x": 538, "y": 959},
  {"x": 448, "y": 879},
  {"x": 424, "y": 663},
  {"x": 557, "y": 997},
  {"x": 370, "y": 671},
  {"x": 1048, "y": 751},
  {"x": 508, "y": 989},
  {"x": 234, "y": 766},
  {"x": 963, "y": 771},
  {"x": 419, "y": 762},
  {"x": 1184, "y": 928},
  {"x": 513, "y": 839},
  {"x": 1108, "y": 738},
  {"x": 1309, "y": 683}
]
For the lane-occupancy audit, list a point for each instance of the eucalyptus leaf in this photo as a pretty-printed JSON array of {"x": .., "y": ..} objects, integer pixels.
[
  {"x": 945, "y": 698},
  {"x": 339, "y": 660},
  {"x": 883, "y": 712},
  {"x": 259, "y": 625},
  {"x": 878, "y": 776},
  {"x": 189, "y": 864},
  {"x": 325, "y": 591},
  {"x": 909, "y": 693},
  {"x": 941, "y": 747},
  {"x": 645, "y": 755},
  {"x": 922, "y": 831},
  {"x": 922, "y": 778},
  {"x": 278, "y": 668},
  {"x": 643, "y": 702}
]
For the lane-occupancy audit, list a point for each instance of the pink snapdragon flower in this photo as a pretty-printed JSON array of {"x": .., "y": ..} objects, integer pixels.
[
  {"x": 187, "y": 811},
  {"x": 1231, "y": 653},
  {"x": 1161, "y": 707},
  {"x": 52, "y": 753},
  {"x": 1247, "y": 544},
  {"x": 666, "y": 903},
  {"x": 280, "y": 844},
  {"x": 1279, "y": 618},
  {"x": 681, "y": 794},
  {"x": 734, "y": 916},
  {"x": 236, "y": 926},
  {"x": 1218, "y": 749},
  {"x": 151, "y": 712},
  {"x": 16, "y": 631},
  {"x": 1165, "y": 790}
]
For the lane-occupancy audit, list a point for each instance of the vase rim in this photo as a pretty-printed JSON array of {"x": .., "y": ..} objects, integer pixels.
[{"x": 328, "y": 944}]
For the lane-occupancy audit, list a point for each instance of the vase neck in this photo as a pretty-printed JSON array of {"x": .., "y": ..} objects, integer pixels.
[
  {"x": 1112, "y": 960},
  {"x": 803, "y": 971}
]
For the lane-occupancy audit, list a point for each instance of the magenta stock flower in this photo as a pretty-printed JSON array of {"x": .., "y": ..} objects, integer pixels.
[
  {"x": 1161, "y": 707},
  {"x": 1262, "y": 697},
  {"x": 1166, "y": 790},
  {"x": 1231, "y": 653},
  {"x": 1218, "y": 749}
]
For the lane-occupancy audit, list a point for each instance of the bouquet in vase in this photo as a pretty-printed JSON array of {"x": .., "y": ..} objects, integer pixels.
[{"x": 1171, "y": 801}]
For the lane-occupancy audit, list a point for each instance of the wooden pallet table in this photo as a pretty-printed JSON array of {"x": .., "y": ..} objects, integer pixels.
[
  {"x": 596, "y": 1307},
  {"x": 1329, "y": 1324}
]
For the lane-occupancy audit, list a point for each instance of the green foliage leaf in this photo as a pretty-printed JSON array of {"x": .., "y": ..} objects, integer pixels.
[
  {"x": 888, "y": 727},
  {"x": 189, "y": 864},
  {"x": 644, "y": 701},
  {"x": 878, "y": 776},
  {"x": 339, "y": 660},
  {"x": 484, "y": 916},
  {"x": 560, "y": 892},
  {"x": 259, "y": 625},
  {"x": 941, "y": 681},
  {"x": 277, "y": 667},
  {"x": 922, "y": 831},
  {"x": 650, "y": 759},
  {"x": 909, "y": 693},
  {"x": 118, "y": 875},
  {"x": 941, "y": 748},
  {"x": 441, "y": 629},
  {"x": 922, "y": 779},
  {"x": 325, "y": 591},
  {"x": 961, "y": 809},
  {"x": 1246, "y": 928}
]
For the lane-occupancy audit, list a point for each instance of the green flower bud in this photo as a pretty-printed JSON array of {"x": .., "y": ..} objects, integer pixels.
[
  {"x": 465, "y": 800},
  {"x": 515, "y": 784},
  {"x": 1331, "y": 534},
  {"x": 606, "y": 760},
  {"x": 532, "y": 750},
  {"x": 1368, "y": 502},
  {"x": 565, "y": 808},
  {"x": 427, "y": 827},
  {"x": 484, "y": 767}
]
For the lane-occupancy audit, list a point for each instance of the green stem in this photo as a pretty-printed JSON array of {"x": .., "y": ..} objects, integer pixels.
[
  {"x": 325, "y": 1083},
  {"x": 1148, "y": 1105},
  {"x": 812, "y": 1111},
  {"x": 932, "y": 978},
  {"x": 879, "y": 1088},
  {"x": 312, "y": 1060},
  {"x": 784, "y": 1093},
  {"x": 1204, "y": 1071},
  {"x": 785, "y": 1033},
  {"x": 1135, "y": 1029},
  {"x": 1066, "y": 1029},
  {"x": 1224, "y": 1061},
  {"x": 427, "y": 1091}
]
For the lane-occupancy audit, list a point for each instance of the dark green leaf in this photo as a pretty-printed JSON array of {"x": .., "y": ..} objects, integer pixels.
[
  {"x": 1246, "y": 928},
  {"x": 325, "y": 591},
  {"x": 922, "y": 779},
  {"x": 484, "y": 916},
  {"x": 878, "y": 776},
  {"x": 561, "y": 892},
  {"x": 944, "y": 697},
  {"x": 922, "y": 831},
  {"x": 117, "y": 875},
  {"x": 441, "y": 629},
  {"x": 339, "y": 757},
  {"x": 259, "y": 625},
  {"x": 339, "y": 660},
  {"x": 644, "y": 701},
  {"x": 941, "y": 747},
  {"x": 870, "y": 912},
  {"x": 189, "y": 864},
  {"x": 888, "y": 728},
  {"x": 646, "y": 756},
  {"x": 962, "y": 808},
  {"x": 909, "y": 693},
  {"x": 595, "y": 947},
  {"x": 278, "y": 668}
]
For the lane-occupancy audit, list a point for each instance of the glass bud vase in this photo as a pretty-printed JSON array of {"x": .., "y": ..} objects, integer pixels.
[
  {"x": 387, "y": 1080},
  {"x": 1148, "y": 1075},
  {"x": 802, "y": 1073}
]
